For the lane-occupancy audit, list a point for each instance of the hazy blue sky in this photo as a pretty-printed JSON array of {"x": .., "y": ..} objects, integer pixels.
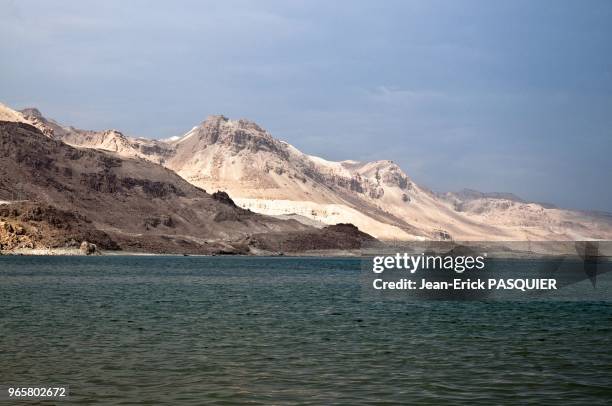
[{"x": 512, "y": 96}]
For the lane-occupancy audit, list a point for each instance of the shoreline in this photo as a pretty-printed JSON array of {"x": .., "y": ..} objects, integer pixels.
[
  {"x": 69, "y": 252},
  {"x": 75, "y": 252}
]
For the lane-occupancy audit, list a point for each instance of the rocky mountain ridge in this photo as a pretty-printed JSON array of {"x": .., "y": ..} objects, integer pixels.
[
  {"x": 65, "y": 194},
  {"x": 269, "y": 176}
]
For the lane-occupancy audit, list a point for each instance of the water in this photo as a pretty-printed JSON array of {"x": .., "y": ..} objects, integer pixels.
[{"x": 195, "y": 330}]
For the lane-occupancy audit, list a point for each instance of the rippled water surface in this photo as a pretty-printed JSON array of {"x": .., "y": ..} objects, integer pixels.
[{"x": 196, "y": 330}]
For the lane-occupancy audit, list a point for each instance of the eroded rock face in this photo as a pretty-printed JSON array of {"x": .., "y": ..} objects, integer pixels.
[
  {"x": 394, "y": 176},
  {"x": 235, "y": 135},
  {"x": 12, "y": 235},
  {"x": 30, "y": 225}
]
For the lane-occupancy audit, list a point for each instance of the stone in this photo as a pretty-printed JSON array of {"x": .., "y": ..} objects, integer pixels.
[{"x": 88, "y": 248}]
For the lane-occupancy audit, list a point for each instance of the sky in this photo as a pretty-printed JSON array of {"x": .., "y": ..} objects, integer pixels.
[{"x": 497, "y": 96}]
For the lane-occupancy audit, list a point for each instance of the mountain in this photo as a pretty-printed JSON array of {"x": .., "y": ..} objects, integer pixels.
[
  {"x": 270, "y": 176},
  {"x": 56, "y": 195},
  {"x": 108, "y": 140}
]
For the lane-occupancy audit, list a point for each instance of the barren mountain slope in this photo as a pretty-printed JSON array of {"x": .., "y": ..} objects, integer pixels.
[
  {"x": 272, "y": 177},
  {"x": 139, "y": 204},
  {"x": 535, "y": 220},
  {"x": 29, "y": 116},
  {"x": 107, "y": 140}
]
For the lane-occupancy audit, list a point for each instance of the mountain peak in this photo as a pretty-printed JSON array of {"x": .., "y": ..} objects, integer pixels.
[
  {"x": 245, "y": 124},
  {"x": 31, "y": 111},
  {"x": 239, "y": 134},
  {"x": 218, "y": 120},
  {"x": 113, "y": 132},
  {"x": 215, "y": 119}
]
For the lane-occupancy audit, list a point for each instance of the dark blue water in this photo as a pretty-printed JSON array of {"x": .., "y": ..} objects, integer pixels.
[{"x": 195, "y": 330}]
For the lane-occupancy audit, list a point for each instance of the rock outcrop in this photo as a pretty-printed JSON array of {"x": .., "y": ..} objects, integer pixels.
[{"x": 88, "y": 248}]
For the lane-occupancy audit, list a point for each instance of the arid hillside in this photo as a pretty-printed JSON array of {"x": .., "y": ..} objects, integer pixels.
[
  {"x": 269, "y": 176},
  {"x": 54, "y": 194}
]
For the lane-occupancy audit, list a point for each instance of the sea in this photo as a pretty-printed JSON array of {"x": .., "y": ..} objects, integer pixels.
[{"x": 173, "y": 330}]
